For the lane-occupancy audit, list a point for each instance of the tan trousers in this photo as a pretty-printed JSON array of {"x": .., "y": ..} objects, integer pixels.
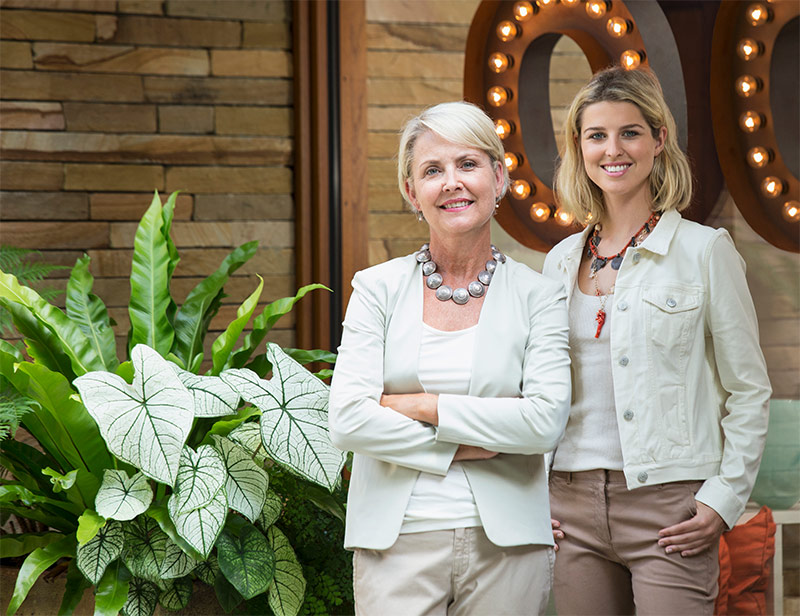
[
  {"x": 609, "y": 561},
  {"x": 452, "y": 572}
]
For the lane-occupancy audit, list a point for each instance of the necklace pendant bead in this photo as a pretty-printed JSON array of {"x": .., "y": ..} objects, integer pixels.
[
  {"x": 423, "y": 256},
  {"x": 460, "y": 296},
  {"x": 498, "y": 256},
  {"x": 476, "y": 289},
  {"x": 491, "y": 266},
  {"x": 428, "y": 268},
  {"x": 443, "y": 293},
  {"x": 434, "y": 281},
  {"x": 616, "y": 262},
  {"x": 425, "y": 246},
  {"x": 485, "y": 277}
]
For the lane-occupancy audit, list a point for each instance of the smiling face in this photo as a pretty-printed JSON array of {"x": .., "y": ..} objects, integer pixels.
[
  {"x": 618, "y": 150},
  {"x": 455, "y": 186}
]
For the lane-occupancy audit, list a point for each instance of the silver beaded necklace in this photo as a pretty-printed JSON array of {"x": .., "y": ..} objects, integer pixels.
[{"x": 476, "y": 288}]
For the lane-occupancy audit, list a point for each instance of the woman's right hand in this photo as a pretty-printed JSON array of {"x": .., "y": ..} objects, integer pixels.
[
  {"x": 557, "y": 532},
  {"x": 471, "y": 452}
]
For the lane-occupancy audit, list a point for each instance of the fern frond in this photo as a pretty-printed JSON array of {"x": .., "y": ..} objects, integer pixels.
[{"x": 13, "y": 407}]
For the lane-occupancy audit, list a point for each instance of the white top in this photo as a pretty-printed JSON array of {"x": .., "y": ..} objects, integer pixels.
[
  {"x": 591, "y": 439},
  {"x": 443, "y": 502}
]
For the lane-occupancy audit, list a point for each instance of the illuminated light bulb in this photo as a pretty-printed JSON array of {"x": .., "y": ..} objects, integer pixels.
[
  {"x": 747, "y": 85},
  {"x": 630, "y": 59},
  {"x": 499, "y": 62},
  {"x": 757, "y": 14},
  {"x": 570, "y": 2},
  {"x": 563, "y": 217},
  {"x": 791, "y": 211},
  {"x": 520, "y": 189},
  {"x": 507, "y": 30},
  {"x": 523, "y": 11},
  {"x": 545, "y": 3},
  {"x": 748, "y": 49},
  {"x": 503, "y": 128},
  {"x": 596, "y": 9},
  {"x": 497, "y": 96},
  {"x": 618, "y": 27},
  {"x": 759, "y": 157},
  {"x": 771, "y": 186},
  {"x": 750, "y": 121},
  {"x": 540, "y": 212},
  {"x": 512, "y": 161}
]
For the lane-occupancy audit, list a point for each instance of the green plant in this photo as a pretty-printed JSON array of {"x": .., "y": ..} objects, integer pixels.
[{"x": 151, "y": 475}]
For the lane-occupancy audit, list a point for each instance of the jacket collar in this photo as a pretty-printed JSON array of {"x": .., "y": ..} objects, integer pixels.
[{"x": 659, "y": 240}]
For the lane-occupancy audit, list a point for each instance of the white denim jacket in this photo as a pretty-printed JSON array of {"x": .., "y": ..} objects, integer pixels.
[
  {"x": 517, "y": 404},
  {"x": 690, "y": 381}
]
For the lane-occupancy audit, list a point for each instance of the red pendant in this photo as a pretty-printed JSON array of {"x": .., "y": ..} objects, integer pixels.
[{"x": 601, "y": 319}]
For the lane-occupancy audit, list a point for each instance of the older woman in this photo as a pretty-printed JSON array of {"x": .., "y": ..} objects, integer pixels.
[
  {"x": 452, "y": 381},
  {"x": 669, "y": 411}
]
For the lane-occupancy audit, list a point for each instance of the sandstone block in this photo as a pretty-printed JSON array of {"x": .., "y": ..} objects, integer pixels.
[
  {"x": 390, "y": 119},
  {"x": 119, "y": 59},
  {"x": 15, "y": 55},
  {"x": 43, "y": 205},
  {"x": 435, "y": 65},
  {"x": 243, "y": 207},
  {"x": 47, "y": 25},
  {"x": 67, "y": 258},
  {"x": 247, "y": 10},
  {"x": 33, "y": 116},
  {"x": 185, "y": 119},
  {"x": 416, "y": 37},
  {"x": 417, "y": 91},
  {"x": 382, "y": 173},
  {"x": 403, "y": 247},
  {"x": 227, "y": 313},
  {"x": 107, "y": 263},
  {"x": 234, "y": 91},
  {"x": 167, "y": 32},
  {"x": 105, "y": 27},
  {"x": 275, "y": 121},
  {"x": 238, "y": 288},
  {"x": 110, "y": 118},
  {"x": 115, "y": 292},
  {"x": 46, "y": 86},
  {"x": 141, "y": 7},
  {"x": 265, "y": 34},
  {"x": 386, "y": 199},
  {"x": 246, "y": 180},
  {"x": 91, "y": 6},
  {"x": 396, "y": 226},
  {"x": 378, "y": 253},
  {"x": 73, "y": 235},
  {"x": 31, "y": 176},
  {"x": 382, "y": 145},
  {"x": 132, "y": 206},
  {"x": 250, "y": 63},
  {"x": 421, "y": 11},
  {"x": 275, "y": 234},
  {"x": 569, "y": 66},
  {"x": 113, "y": 177}
]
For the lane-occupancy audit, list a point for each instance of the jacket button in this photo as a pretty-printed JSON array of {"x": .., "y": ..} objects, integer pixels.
[
  {"x": 636, "y": 257},
  {"x": 624, "y": 360},
  {"x": 671, "y": 302},
  {"x": 623, "y": 306},
  {"x": 642, "y": 477},
  {"x": 627, "y": 415}
]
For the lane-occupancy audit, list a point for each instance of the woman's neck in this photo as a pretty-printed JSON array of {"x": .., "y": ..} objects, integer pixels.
[
  {"x": 622, "y": 219},
  {"x": 461, "y": 258}
]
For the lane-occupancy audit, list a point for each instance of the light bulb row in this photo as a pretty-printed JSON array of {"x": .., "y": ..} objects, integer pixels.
[{"x": 542, "y": 212}]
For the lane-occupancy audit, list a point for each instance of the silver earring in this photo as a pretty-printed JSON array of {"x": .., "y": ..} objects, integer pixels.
[{"x": 420, "y": 216}]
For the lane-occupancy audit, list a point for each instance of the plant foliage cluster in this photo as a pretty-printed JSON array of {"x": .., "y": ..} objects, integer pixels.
[{"x": 151, "y": 477}]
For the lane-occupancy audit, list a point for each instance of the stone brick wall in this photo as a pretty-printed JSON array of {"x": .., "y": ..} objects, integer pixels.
[{"x": 105, "y": 101}]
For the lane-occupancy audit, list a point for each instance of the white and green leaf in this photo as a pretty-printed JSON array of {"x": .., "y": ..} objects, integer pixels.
[
  {"x": 201, "y": 475},
  {"x": 200, "y": 527},
  {"x": 208, "y": 570},
  {"x": 212, "y": 396},
  {"x": 248, "y": 435},
  {"x": 294, "y": 417},
  {"x": 145, "y": 424},
  {"x": 246, "y": 484},
  {"x": 123, "y": 498},
  {"x": 104, "y": 548},
  {"x": 177, "y": 563},
  {"x": 176, "y": 594},
  {"x": 289, "y": 586},
  {"x": 145, "y": 548},
  {"x": 246, "y": 560},
  {"x": 272, "y": 510},
  {"x": 142, "y": 598}
]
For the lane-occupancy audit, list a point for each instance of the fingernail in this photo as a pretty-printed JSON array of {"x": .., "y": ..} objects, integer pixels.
[
  {"x": 661, "y": 543},
  {"x": 669, "y": 550}
]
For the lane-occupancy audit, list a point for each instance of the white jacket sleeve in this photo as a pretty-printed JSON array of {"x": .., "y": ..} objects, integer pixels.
[
  {"x": 357, "y": 421},
  {"x": 742, "y": 371},
  {"x": 534, "y": 422}
]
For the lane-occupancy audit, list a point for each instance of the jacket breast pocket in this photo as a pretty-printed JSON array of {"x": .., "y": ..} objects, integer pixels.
[{"x": 671, "y": 315}]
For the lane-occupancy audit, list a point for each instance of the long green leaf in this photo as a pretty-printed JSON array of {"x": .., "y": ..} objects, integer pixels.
[
  {"x": 73, "y": 341},
  {"x": 15, "y": 493},
  {"x": 150, "y": 277},
  {"x": 264, "y": 322},
  {"x": 90, "y": 313},
  {"x": 112, "y": 591},
  {"x": 41, "y": 514},
  {"x": 222, "y": 346},
  {"x": 36, "y": 563},
  {"x": 73, "y": 592},
  {"x": 25, "y": 463},
  {"x": 289, "y": 587},
  {"x": 41, "y": 344},
  {"x": 191, "y": 322},
  {"x": 167, "y": 214},
  {"x": 247, "y": 560},
  {"x": 20, "y": 544},
  {"x": 306, "y": 356}
]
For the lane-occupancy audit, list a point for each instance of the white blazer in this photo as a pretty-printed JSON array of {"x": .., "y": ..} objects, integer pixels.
[{"x": 517, "y": 405}]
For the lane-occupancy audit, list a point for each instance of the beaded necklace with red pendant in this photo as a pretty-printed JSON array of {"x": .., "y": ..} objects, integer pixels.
[{"x": 598, "y": 262}]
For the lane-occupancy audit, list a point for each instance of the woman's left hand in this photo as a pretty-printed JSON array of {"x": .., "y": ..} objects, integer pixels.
[
  {"x": 695, "y": 534},
  {"x": 422, "y": 407}
]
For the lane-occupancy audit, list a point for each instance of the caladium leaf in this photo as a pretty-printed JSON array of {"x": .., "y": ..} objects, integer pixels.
[
  {"x": 246, "y": 483},
  {"x": 121, "y": 498},
  {"x": 246, "y": 560},
  {"x": 201, "y": 475},
  {"x": 272, "y": 510},
  {"x": 176, "y": 595},
  {"x": 100, "y": 551},
  {"x": 289, "y": 586},
  {"x": 145, "y": 547},
  {"x": 294, "y": 417},
  {"x": 177, "y": 563},
  {"x": 145, "y": 424},
  {"x": 200, "y": 527},
  {"x": 207, "y": 570},
  {"x": 212, "y": 396},
  {"x": 142, "y": 598},
  {"x": 248, "y": 435}
]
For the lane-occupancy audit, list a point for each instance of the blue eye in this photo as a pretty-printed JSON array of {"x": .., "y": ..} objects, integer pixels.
[
  {"x": 596, "y": 136},
  {"x": 431, "y": 171},
  {"x": 468, "y": 164},
  {"x": 630, "y": 133}
]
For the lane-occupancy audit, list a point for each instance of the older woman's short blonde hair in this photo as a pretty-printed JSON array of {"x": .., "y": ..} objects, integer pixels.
[
  {"x": 459, "y": 122},
  {"x": 671, "y": 177}
]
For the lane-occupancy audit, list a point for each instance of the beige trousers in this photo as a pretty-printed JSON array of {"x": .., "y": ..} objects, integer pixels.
[
  {"x": 609, "y": 561},
  {"x": 452, "y": 572}
]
